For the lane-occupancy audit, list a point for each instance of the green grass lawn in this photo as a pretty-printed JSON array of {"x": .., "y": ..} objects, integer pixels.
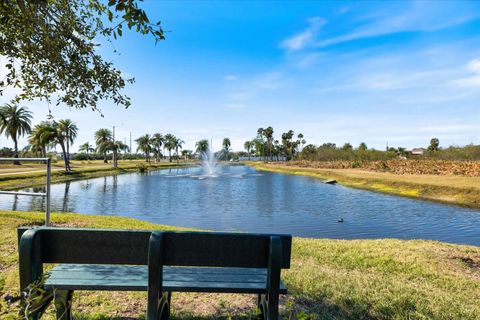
[
  {"x": 329, "y": 279},
  {"x": 34, "y": 175}
]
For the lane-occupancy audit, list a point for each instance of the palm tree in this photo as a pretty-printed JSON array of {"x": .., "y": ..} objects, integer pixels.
[
  {"x": 115, "y": 147},
  {"x": 248, "y": 145},
  {"x": 69, "y": 130},
  {"x": 144, "y": 145},
  {"x": 15, "y": 122},
  {"x": 186, "y": 154},
  {"x": 268, "y": 133},
  {"x": 178, "y": 145},
  {"x": 59, "y": 137},
  {"x": 50, "y": 133},
  {"x": 202, "y": 146},
  {"x": 102, "y": 138},
  {"x": 169, "y": 143},
  {"x": 226, "y": 146},
  {"x": 42, "y": 136},
  {"x": 86, "y": 147},
  {"x": 301, "y": 140},
  {"x": 157, "y": 142}
]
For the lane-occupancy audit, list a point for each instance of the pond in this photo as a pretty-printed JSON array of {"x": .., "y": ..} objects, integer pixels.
[{"x": 241, "y": 198}]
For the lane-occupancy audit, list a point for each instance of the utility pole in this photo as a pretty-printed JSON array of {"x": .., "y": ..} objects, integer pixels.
[{"x": 114, "y": 150}]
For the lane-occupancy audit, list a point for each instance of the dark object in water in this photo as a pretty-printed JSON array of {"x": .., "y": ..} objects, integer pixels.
[
  {"x": 330, "y": 181},
  {"x": 340, "y": 220}
]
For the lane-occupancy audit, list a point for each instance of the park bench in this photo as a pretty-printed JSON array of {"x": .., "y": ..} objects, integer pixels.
[{"x": 157, "y": 262}]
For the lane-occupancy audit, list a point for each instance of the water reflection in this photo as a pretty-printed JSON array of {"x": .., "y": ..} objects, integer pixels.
[{"x": 242, "y": 199}]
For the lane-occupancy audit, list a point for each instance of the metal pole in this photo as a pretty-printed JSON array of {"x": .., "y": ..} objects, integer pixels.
[
  {"x": 114, "y": 150},
  {"x": 47, "y": 212}
]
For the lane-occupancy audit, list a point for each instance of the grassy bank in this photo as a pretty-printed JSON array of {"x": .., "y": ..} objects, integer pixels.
[
  {"x": 458, "y": 190},
  {"x": 27, "y": 175},
  {"x": 329, "y": 279}
]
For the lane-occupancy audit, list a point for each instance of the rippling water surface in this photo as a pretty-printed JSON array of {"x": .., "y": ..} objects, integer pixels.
[{"x": 240, "y": 198}]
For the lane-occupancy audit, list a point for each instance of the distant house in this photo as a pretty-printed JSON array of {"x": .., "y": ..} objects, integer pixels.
[{"x": 418, "y": 151}]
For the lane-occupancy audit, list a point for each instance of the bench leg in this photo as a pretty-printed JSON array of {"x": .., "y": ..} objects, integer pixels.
[
  {"x": 262, "y": 306},
  {"x": 268, "y": 307},
  {"x": 161, "y": 310},
  {"x": 164, "y": 306},
  {"x": 34, "y": 306},
  {"x": 63, "y": 304},
  {"x": 169, "y": 299}
]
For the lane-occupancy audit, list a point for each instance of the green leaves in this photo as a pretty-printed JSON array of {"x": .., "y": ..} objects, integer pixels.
[{"x": 51, "y": 49}]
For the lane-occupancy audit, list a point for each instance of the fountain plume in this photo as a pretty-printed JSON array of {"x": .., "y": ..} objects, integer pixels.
[{"x": 209, "y": 162}]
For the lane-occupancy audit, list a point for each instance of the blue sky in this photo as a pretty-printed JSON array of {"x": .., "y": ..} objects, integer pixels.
[{"x": 394, "y": 71}]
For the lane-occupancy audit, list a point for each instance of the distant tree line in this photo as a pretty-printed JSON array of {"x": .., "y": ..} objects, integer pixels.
[
  {"x": 16, "y": 122},
  {"x": 269, "y": 148},
  {"x": 330, "y": 152}
]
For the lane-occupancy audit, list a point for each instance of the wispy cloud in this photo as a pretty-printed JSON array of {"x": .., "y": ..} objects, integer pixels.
[
  {"x": 474, "y": 65},
  {"x": 472, "y": 81},
  {"x": 231, "y": 77},
  {"x": 307, "y": 36},
  {"x": 234, "y": 106},
  {"x": 258, "y": 84},
  {"x": 416, "y": 16},
  {"x": 450, "y": 128}
]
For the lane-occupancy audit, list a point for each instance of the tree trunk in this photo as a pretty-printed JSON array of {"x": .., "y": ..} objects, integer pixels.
[
  {"x": 15, "y": 142},
  {"x": 68, "y": 150},
  {"x": 115, "y": 161},
  {"x": 65, "y": 160},
  {"x": 169, "y": 155},
  {"x": 105, "y": 157}
]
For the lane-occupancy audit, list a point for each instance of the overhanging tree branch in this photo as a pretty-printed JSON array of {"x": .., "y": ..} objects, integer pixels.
[{"x": 54, "y": 45}]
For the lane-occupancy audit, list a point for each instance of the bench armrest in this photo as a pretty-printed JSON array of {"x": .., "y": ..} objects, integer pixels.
[{"x": 30, "y": 263}]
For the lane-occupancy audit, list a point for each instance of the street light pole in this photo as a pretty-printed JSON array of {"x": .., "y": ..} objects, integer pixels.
[{"x": 114, "y": 150}]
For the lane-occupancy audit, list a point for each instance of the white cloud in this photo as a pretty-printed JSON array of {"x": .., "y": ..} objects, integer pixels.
[
  {"x": 474, "y": 65},
  {"x": 307, "y": 60},
  {"x": 471, "y": 81},
  {"x": 300, "y": 40},
  {"x": 421, "y": 16},
  {"x": 231, "y": 77},
  {"x": 468, "y": 82},
  {"x": 234, "y": 106},
  {"x": 344, "y": 10},
  {"x": 264, "y": 82},
  {"x": 450, "y": 128}
]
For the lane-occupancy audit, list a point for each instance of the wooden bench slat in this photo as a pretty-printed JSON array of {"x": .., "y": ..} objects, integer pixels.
[
  {"x": 176, "y": 279},
  {"x": 107, "y": 268},
  {"x": 173, "y": 286},
  {"x": 168, "y": 277}
]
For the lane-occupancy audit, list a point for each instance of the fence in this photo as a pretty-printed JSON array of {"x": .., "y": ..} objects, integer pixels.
[{"x": 35, "y": 194}]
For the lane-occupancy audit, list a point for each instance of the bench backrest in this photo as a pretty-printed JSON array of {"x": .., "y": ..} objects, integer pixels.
[
  {"x": 215, "y": 249},
  {"x": 87, "y": 246},
  {"x": 99, "y": 246}
]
